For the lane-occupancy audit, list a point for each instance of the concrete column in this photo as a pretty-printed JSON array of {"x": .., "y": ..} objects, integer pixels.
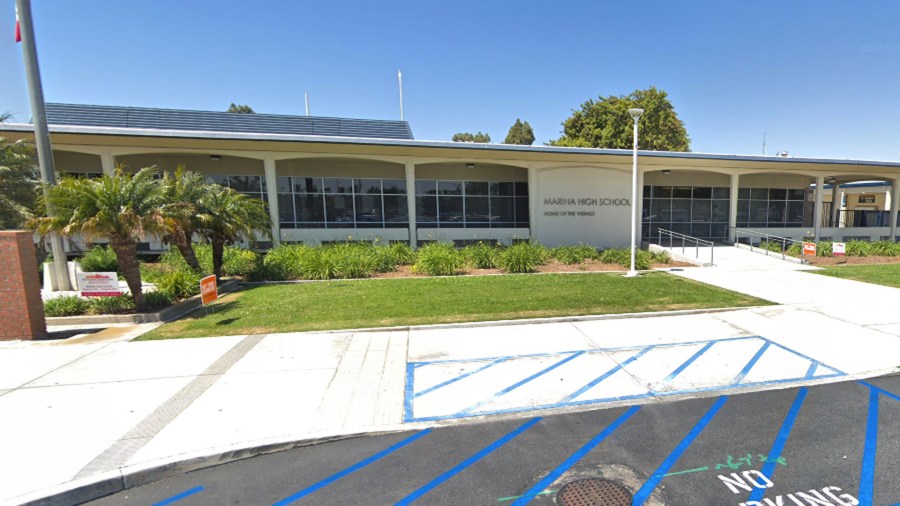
[
  {"x": 272, "y": 193},
  {"x": 817, "y": 213},
  {"x": 835, "y": 203},
  {"x": 895, "y": 200},
  {"x": 733, "y": 205},
  {"x": 411, "y": 204},
  {"x": 108, "y": 162},
  {"x": 640, "y": 209},
  {"x": 532, "y": 203}
]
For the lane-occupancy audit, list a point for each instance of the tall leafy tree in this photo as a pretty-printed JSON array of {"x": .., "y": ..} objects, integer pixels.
[
  {"x": 605, "y": 123},
  {"x": 240, "y": 109},
  {"x": 226, "y": 217},
  {"x": 120, "y": 207},
  {"x": 470, "y": 137},
  {"x": 520, "y": 133},
  {"x": 182, "y": 192},
  {"x": 19, "y": 183}
]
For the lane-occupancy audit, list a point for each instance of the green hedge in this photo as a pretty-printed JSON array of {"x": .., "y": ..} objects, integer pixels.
[{"x": 99, "y": 259}]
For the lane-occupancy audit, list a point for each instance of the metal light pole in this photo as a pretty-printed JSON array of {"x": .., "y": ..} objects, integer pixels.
[
  {"x": 41, "y": 133},
  {"x": 636, "y": 115}
]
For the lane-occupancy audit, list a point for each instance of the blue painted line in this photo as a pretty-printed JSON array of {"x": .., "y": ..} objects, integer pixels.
[
  {"x": 811, "y": 372},
  {"x": 415, "y": 495},
  {"x": 882, "y": 391},
  {"x": 574, "y": 458},
  {"x": 687, "y": 363},
  {"x": 596, "y": 350},
  {"x": 463, "y": 376},
  {"x": 618, "y": 398},
  {"x": 520, "y": 383},
  {"x": 867, "y": 474},
  {"x": 408, "y": 393},
  {"x": 596, "y": 381},
  {"x": 780, "y": 440},
  {"x": 178, "y": 497},
  {"x": 355, "y": 467},
  {"x": 751, "y": 363},
  {"x": 644, "y": 493}
]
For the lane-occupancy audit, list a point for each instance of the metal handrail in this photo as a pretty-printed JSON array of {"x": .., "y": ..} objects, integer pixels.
[
  {"x": 784, "y": 241},
  {"x": 697, "y": 242}
]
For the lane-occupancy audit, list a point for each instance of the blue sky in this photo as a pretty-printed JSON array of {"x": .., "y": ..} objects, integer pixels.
[{"x": 821, "y": 78}]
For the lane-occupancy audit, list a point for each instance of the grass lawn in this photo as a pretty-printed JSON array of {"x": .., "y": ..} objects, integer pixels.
[
  {"x": 880, "y": 274},
  {"x": 418, "y": 301}
]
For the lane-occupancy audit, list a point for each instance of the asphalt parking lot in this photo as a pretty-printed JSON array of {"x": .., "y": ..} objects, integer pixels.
[{"x": 834, "y": 444}]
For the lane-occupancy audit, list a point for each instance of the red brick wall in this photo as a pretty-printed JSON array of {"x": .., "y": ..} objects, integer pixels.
[{"x": 21, "y": 308}]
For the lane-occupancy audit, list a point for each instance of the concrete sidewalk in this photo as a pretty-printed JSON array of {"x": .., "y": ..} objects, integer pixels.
[{"x": 75, "y": 413}]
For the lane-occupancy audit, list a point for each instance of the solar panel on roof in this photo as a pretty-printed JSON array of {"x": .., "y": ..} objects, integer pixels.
[{"x": 172, "y": 119}]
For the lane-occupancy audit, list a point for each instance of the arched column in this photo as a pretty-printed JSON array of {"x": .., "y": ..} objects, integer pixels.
[{"x": 817, "y": 213}]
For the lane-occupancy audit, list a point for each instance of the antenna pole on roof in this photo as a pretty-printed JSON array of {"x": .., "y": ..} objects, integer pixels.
[
  {"x": 400, "y": 82},
  {"x": 41, "y": 132},
  {"x": 765, "y": 151},
  {"x": 306, "y": 97}
]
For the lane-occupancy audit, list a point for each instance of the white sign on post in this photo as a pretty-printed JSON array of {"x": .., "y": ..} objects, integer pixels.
[
  {"x": 99, "y": 284},
  {"x": 838, "y": 249}
]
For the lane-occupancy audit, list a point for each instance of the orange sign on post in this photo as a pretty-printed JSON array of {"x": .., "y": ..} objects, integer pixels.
[
  {"x": 209, "y": 291},
  {"x": 809, "y": 249}
]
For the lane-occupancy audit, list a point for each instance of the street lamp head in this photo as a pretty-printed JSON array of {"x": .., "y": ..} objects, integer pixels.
[{"x": 635, "y": 113}]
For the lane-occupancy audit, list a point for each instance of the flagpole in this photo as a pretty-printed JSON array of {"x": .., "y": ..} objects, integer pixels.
[
  {"x": 41, "y": 133},
  {"x": 400, "y": 82}
]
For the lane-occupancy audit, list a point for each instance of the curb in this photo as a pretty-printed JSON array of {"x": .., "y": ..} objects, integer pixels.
[{"x": 170, "y": 313}]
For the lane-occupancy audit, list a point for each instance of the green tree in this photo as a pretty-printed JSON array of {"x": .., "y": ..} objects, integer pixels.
[
  {"x": 240, "y": 109},
  {"x": 605, "y": 123},
  {"x": 18, "y": 183},
  {"x": 5, "y": 116},
  {"x": 520, "y": 133},
  {"x": 226, "y": 217},
  {"x": 182, "y": 191},
  {"x": 121, "y": 207},
  {"x": 469, "y": 137}
]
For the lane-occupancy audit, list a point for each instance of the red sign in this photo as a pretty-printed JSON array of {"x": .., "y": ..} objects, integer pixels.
[
  {"x": 809, "y": 249},
  {"x": 209, "y": 291}
]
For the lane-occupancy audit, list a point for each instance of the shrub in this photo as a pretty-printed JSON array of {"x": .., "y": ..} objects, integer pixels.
[
  {"x": 157, "y": 299},
  {"x": 795, "y": 249},
  {"x": 481, "y": 255},
  {"x": 858, "y": 248},
  {"x": 660, "y": 257},
  {"x": 439, "y": 259},
  {"x": 236, "y": 261},
  {"x": 523, "y": 257},
  {"x": 99, "y": 259},
  {"x": 111, "y": 305},
  {"x": 402, "y": 254},
  {"x": 622, "y": 257},
  {"x": 884, "y": 249},
  {"x": 823, "y": 249},
  {"x": 571, "y": 255},
  {"x": 173, "y": 258},
  {"x": 179, "y": 283},
  {"x": 66, "y": 305},
  {"x": 152, "y": 273},
  {"x": 388, "y": 257},
  {"x": 283, "y": 262},
  {"x": 348, "y": 260}
]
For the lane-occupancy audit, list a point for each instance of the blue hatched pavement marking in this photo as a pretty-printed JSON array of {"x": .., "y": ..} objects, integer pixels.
[
  {"x": 596, "y": 381},
  {"x": 462, "y": 376},
  {"x": 815, "y": 365},
  {"x": 747, "y": 368},
  {"x": 686, "y": 363},
  {"x": 780, "y": 440}
]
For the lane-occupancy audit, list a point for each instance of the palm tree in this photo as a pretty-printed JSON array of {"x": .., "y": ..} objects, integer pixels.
[
  {"x": 120, "y": 207},
  {"x": 227, "y": 217},
  {"x": 182, "y": 193},
  {"x": 18, "y": 182}
]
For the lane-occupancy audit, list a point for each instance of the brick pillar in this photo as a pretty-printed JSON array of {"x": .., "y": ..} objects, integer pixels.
[{"x": 21, "y": 308}]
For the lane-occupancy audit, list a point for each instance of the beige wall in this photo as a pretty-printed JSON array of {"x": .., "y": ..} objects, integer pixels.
[
  {"x": 68, "y": 161},
  {"x": 347, "y": 167},
  {"x": 228, "y": 165},
  {"x": 481, "y": 172}
]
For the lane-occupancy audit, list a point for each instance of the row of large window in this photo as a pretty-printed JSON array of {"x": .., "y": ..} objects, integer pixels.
[
  {"x": 703, "y": 211},
  {"x": 315, "y": 202}
]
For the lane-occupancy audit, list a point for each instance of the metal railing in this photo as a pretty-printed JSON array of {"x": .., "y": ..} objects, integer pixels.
[
  {"x": 783, "y": 242},
  {"x": 695, "y": 243}
]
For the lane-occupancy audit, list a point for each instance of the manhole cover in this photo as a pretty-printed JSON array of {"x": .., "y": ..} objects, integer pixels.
[{"x": 593, "y": 492}]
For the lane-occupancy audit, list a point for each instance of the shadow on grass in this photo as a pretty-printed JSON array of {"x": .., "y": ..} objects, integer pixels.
[{"x": 227, "y": 321}]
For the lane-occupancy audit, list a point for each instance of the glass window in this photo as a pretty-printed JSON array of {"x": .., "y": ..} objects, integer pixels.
[
  {"x": 310, "y": 208},
  {"x": 450, "y": 211},
  {"x": 700, "y": 211},
  {"x": 426, "y": 187},
  {"x": 503, "y": 189},
  {"x": 759, "y": 211},
  {"x": 478, "y": 209},
  {"x": 662, "y": 192},
  {"x": 307, "y": 184},
  {"x": 337, "y": 185},
  {"x": 368, "y": 211},
  {"x": 245, "y": 183},
  {"x": 743, "y": 212},
  {"x": 794, "y": 212},
  {"x": 521, "y": 189},
  {"x": 450, "y": 187},
  {"x": 681, "y": 192},
  {"x": 394, "y": 186},
  {"x": 502, "y": 211},
  {"x": 795, "y": 194},
  {"x": 720, "y": 210},
  {"x": 661, "y": 210},
  {"x": 777, "y": 194},
  {"x": 681, "y": 210},
  {"x": 648, "y": 191},
  {"x": 220, "y": 180},
  {"x": 522, "y": 218},
  {"x": 284, "y": 185},
  {"x": 703, "y": 193},
  {"x": 759, "y": 194},
  {"x": 721, "y": 192},
  {"x": 339, "y": 211},
  {"x": 743, "y": 193},
  {"x": 370, "y": 186},
  {"x": 476, "y": 188},
  {"x": 426, "y": 210},
  {"x": 286, "y": 208},
  {"x": 395, "y": 211}
]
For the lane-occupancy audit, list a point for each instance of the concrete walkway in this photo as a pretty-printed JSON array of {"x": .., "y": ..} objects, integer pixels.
[{"x": 82, "y": 411}]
